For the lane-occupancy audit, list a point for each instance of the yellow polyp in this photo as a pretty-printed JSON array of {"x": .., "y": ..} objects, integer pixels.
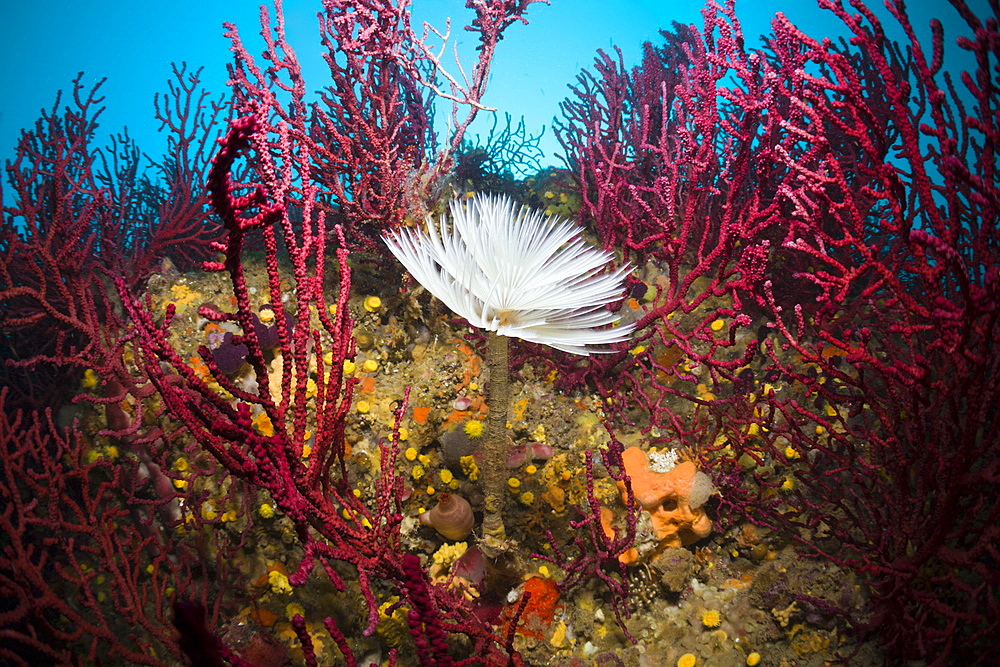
[
  {"x": 791, "y": 453},
  {"x": 365, "y": 522},
  {"x": 356, "y": 492},
  {"x": 638, "y": 349},
  {"x": 370, "y": 365},
  {"x": 513, "y": 483},
  {"x": 473, "y": 386},
  {"x": 180, "y": 484},
  {"x": 306, "y": 451},
  {"x": 469, "y": 467},
  {"x": 544, "y": 571},
  {"x": 217, "y": 388},
  {"x": 820, "y": 430},
  {"x": 446, "y": 476},
  {"x": 449, "y": 553},
  {"x": 453, "y": 485},
  {"x": 278, "y": 582},
  {"x": 549, "y": 194},
  {"x": 90, "y": 379},
  {"x": 404, "y": 434},
  {"x": 372, "y": 304},
  {"x": 474, "y": 428},
  {"x": 150, "y": 569},
  {"x": 424, "y": 459},
  {"x": 417, "y": 472},
  {"x": 181, "y": 464},
  {"x": 332, "y": 309},
  {"x": 530, "y": 470},
  {"x": 753, "y": 659},
  {"x": 687, "y": 660},
  {"x": 229, "y": 516},
  {"x": 717, "y": 325},
  {"x": 346, "y": 514},
  {"x": 349, "y": 366},
  {"x": 431, "y": 490},
  {"x": 362, "y": 407},
  {"x": 410, "y": 454},
  {"x": 831, "y": 411},
  {"x": 753, "y": 429},
  {"x": 266, "y": 511},
  {"x": 263, "y": 425},
  {"x": 293, "y": 609},
  {"x": 527, "y": 498},
  {"x": 266, "y": 315},
  {"x": 566, "y": 475},
  {"x": 788, "y": 483},
  {"x": 208, "y": 514},
  {"x": 311, "y": 388},
  {"x": 711, "y": 618}
]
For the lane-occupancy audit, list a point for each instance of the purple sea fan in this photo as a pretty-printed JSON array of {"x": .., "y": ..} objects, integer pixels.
[{"x": 517, "y": 272}]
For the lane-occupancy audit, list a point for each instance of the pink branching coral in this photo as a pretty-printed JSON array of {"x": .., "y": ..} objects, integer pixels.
[
  {"x": 334, "y": 525},
  {"x": 370, "y": 137},
  {"x": 82, "y": 536},
  {"x": 820, "y": 225}
]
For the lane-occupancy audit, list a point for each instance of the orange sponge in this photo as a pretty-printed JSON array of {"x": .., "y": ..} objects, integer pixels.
[{"x": 667, "y": 496}]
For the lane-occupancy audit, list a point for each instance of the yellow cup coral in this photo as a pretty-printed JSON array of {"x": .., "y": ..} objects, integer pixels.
[{"x": 711, "y": 618}]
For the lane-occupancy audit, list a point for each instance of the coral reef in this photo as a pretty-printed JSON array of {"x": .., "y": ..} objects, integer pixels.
[{"x": 234, "y": 461}]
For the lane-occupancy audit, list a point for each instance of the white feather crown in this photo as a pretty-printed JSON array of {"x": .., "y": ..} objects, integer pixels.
[{"x": 517, "y": 272}]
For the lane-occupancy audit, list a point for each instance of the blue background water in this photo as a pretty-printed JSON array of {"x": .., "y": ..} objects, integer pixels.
[{"x": 132, "y": 44}]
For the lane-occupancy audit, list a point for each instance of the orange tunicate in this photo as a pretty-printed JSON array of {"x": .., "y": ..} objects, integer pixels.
[
  {"x": 420, "y": 414},
  {"x": 264, "y": 616},
  {"x": 472, "y": 366},
  {"x": 668, "y": 499},
  {"x": 541, "y": 608},
  {"x": 607, "y": 518}
]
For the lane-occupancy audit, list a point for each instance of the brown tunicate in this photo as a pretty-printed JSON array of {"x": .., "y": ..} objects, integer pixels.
[
  {"x": 556, "y": 498},
  {"x": 365, "y": 339},
  {"x": 451, "y": 517}
]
